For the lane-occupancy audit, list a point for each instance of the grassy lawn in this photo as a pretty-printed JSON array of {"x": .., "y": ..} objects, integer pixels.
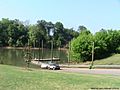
[
  {"x": 16, "y": 78},
  {"x": 112, "y": 60}
]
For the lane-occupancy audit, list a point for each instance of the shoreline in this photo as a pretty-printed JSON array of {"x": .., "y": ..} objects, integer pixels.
[{"x": 63, "y": 49}]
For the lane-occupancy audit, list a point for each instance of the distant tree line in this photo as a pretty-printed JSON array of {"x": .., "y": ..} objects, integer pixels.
[
  {"x": 106, "y": 42},
  {"x": 16, "y": 33}
]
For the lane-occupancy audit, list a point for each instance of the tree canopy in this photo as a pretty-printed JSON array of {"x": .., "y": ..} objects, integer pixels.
[
  {"x": 106, "y": 42},
  {"x": 15, "y": 33}
]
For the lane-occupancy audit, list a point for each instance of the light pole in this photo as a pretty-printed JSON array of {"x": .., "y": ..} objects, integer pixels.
[
  {"x": 51, "y": 50},
  {"x": 51, "y": 34}
]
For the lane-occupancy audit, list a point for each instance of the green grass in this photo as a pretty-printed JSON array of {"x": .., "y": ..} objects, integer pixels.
[
  {"x": 16, "y": 78},
  {"x": 112, "y": 60}
]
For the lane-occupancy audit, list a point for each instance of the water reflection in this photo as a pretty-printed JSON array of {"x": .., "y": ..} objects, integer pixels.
[{"x": 15, "y": 56}]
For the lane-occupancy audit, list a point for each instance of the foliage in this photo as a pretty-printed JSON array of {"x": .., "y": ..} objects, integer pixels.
[
  {"x": 100, "y": 44},
  {"x": 12, "y": 33},
  {"x": 15, "y": 33},
  {"x": 82, "y": 28},
  {"x": 81, "y": 47},
  {"x": 106, "y": 43},
  {"x": 113, "y": 40}
]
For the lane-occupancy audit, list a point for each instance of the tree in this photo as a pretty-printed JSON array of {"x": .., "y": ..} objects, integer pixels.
[
  {"x": 58, "y": 33},
  {"x": 49, "y": 26},
  {"x": 34, "y": 34},
  {"x": 38, "y": 32},
  {"x": 3, "y": 35},
  {"x": 17, "y": 33},
  {"x": 82, "y": 28},
  {"x": 4, "y": 23},
  {"x": 69, "y": 34},
  {"x": 113, "y": 40},
  {"x": 81, "y": 47},
  {"x": 100, "y": 44},
  {"x": 28, "y": 54},
  {"x": 23, "y": 37}
]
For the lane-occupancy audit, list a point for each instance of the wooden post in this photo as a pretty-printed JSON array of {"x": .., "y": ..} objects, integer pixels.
[
  {"x": 59, "y": 49},
  {"x": 28, "y": 62},
  {"x": 91, "y": 66},
  {"x": 39, "y": 50},
  {"x": 93, "y": 53},
  {"x": 42, "y": 49},
  {"x": 69, "y": 53},
  {"x": 34, "y": 49}
]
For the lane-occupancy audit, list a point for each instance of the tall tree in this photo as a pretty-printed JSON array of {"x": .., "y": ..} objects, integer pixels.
[
  {"x": 81, "y": 47},
  {"x": 81, "y": 28},
  {"x": 59, "y": 33},
  {"x": 3, "y": 35},
  {"x": 100, "y": 44}
]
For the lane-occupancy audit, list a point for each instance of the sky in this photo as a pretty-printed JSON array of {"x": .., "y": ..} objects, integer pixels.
[{"x": 93, "y": 14}]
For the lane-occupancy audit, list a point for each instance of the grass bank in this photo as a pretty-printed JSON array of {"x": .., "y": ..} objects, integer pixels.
[
  {"x": 15, "y": 78},
  {"x": 112, "y": 60}
]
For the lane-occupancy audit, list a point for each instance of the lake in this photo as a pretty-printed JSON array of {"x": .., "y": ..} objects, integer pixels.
[{"x": 16, "y": 56}]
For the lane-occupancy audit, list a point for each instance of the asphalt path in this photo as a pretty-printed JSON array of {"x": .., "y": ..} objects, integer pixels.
[{"x": 91, "y": 71}]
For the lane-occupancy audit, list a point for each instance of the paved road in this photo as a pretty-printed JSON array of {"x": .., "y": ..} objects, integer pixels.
[
  {"x": 92, "y": 71},
  {"x": 95, "y": 66}
]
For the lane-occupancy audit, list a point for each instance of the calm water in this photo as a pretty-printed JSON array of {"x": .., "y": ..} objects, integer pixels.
[{"x": 15, "y": 57}]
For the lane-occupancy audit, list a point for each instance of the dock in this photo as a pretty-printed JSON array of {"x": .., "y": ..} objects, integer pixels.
[{"x": 47, "y": 59}]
